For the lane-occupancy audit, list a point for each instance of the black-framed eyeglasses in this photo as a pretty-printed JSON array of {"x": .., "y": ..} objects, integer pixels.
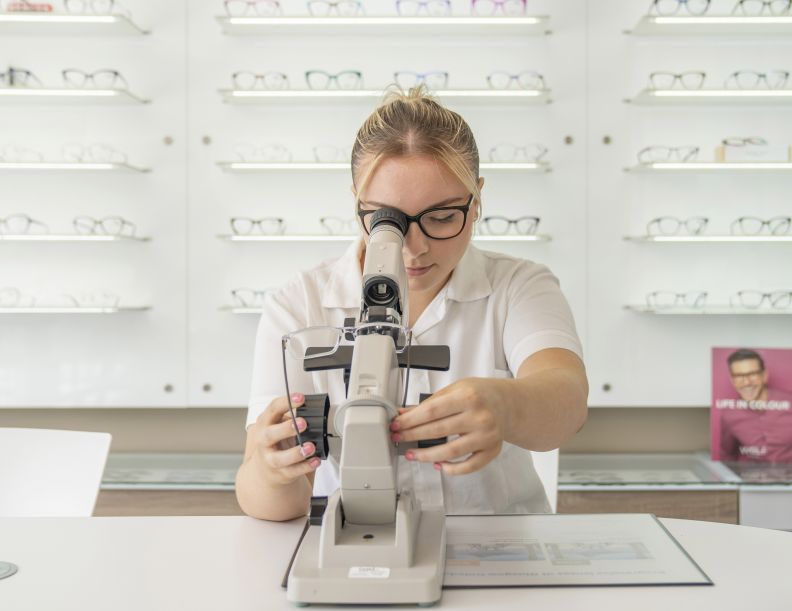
[{"x": 442, "y": 223}]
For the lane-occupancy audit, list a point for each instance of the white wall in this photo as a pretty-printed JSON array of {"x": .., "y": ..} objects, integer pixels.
[{"x": 185, "y": 273}]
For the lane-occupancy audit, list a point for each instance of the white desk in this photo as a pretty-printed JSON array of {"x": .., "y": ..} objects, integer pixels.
[{"x": 236, "y": 563}]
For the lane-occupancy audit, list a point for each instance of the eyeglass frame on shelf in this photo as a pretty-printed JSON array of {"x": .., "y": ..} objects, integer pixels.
[
  {"x": 420, "y": 77},
  {"x": 694, "y": 151},
  {"x": 699, "y": 302},
  {"x": 425, "y": 5},
  {"x": 498, "y": 4},
  {"x": 786, "y": 222},
  {"x": 90, "y": 77},
  {"x": 679, "y": 4},
  {"x": 704, "y": 221},
  {"x": 677, "y": 77},
  {"x": 333, "y": 78},
  {"x": 279, "y": 222},
  {"x": 333, "y": 4},
  {"x": 738, "y": 296},
  {"x": 251, "y": 3},
  {"x": 30, "y": 222},
  {"x": 533, "y": 227},
  {"x": 765, "y": 3},
  {"x": 760, "y": 76}
]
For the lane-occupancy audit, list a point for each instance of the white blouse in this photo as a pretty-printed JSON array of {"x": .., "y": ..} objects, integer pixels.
[{"x": 494, "y": 312}]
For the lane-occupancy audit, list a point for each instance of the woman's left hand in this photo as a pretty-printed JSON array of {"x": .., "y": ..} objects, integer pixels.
[{"x": 472, "y": 408}]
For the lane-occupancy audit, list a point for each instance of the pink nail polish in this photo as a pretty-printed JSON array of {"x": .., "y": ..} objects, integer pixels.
[
  {"x": 394, "y": 426},
  {"x": 301, "y": 424},
  {"x": 396, "y": 437},
  {"x": 315, "y": 463},
  {"x": 409, "y": 455},
  {"x": 307, "y": 449},
  {"x": 438, "y": 466},
  {"x": 297, "y": 398}
]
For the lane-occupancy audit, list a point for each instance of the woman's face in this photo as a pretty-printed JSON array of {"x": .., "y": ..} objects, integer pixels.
[{"x": 413, "y": 184}]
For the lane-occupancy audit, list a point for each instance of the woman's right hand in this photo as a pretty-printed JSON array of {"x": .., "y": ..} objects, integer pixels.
[{"x": 282, "y": 460}]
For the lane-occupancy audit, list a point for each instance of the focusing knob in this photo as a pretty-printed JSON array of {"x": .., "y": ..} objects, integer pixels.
[{"x": 315, "y": 411}]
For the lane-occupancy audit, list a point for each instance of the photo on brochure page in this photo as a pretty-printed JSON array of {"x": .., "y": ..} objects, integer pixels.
[{"x": 751, "y": 413}]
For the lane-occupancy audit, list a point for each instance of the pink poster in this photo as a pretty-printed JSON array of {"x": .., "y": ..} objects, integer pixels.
[{"x": 751, "y": 415}]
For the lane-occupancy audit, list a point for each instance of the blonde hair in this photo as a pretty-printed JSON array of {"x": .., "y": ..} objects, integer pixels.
[{"x": 414, "y": 123}]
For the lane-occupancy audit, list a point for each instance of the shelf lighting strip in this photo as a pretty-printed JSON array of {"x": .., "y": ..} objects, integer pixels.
[
  {"x": 81, "y": 19},
  {"x": 721, "y": 93},
  {"x": 362, "y": 93},
  {"x": 65, "y": 310},
  {"x": 780, "y": 165},
  {"x": 725, "y": 238},
  {"x": 348, "y": 238},
  {"x": 725, "y": 20},
  {"x": 46, "y": 165},
  {"x": 68, "y": 238},
  {"x": 362, "y": 21},
  {"x": 262, "y": 165},
  {"x": 82, "y": 93}
]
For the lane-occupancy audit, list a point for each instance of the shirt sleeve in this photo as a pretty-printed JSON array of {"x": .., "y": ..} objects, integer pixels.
[
  {"x": 538, "y": 316},
  {"x": 283, "y": 311}
]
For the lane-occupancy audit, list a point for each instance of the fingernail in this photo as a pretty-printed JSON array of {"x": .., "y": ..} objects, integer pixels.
[
  {"x": 394, "y": 426},
  {"x": 409, "y": 455},
  {"x": 396, "y": 437},
  {"x": 438, "y": 466},
  {"x": 301, "y": 424},
  {"x": 307, "y": 449},
  {"x": 315, "y": 463},
  {"x": 297, "y": 397}
]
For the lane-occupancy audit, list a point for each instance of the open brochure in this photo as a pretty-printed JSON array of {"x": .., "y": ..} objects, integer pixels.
[
  {"x": 565, "y": 550},
  {"x": 562, "y": 550}
]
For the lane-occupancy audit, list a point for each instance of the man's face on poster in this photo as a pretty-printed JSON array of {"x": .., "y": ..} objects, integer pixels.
[{"x": 748, "y": 379}]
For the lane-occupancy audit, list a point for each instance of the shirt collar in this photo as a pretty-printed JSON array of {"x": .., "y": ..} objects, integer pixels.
[{"x": 468, "y": 281}]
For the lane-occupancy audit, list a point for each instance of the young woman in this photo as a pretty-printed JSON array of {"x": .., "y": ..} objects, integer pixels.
[{"x": 516, "y": 382}]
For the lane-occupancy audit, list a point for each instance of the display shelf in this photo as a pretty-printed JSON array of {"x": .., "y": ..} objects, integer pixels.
[
  {"x": 716, "y": 310},
  {"x": 653, "y": 25},
  {"x": 709, "y": 239},
  {"x": 73, "y": 310},
  {"x": 171, "y": 471},
  {"x": 712, "y": 97},
  {"x": 349, "y": 238},
  {"x": 709, "y": 167},
  {"x": 246, "y": 167},
  {"x": 480, "y": 96},
  {"x": 63, "y": 166},
  {"x": 55, "y": 24},
  {"x": 379, "y": 26},
  {"x": 69, "y": 237},
  {"x": 619, "y": 471},
  {"x": 30, "y": 95}
]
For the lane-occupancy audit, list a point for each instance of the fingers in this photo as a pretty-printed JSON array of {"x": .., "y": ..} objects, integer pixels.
[
  {"x": 464, "y": 445},
  {"x": 434, "y": 408},
  {"x": 286, "y": 466},
  {"x": 477, "y": 461},
  {"x": 278, "y": 408},
  {"x": 273, "y": 435},
  {"x": 453, "y": 425}
]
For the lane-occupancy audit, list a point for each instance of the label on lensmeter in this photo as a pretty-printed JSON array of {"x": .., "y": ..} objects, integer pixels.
[{"x": 369, "y": 572}]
